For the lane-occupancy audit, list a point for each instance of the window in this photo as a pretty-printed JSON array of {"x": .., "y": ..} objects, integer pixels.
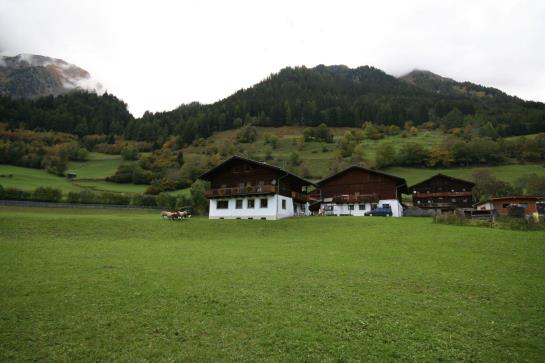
[
  {"x": 453, "y": 200},
  {"x": 263, "y": 203},
  {"x": 222, "y": 204},
  {"x": 361, "y": 207},
  {"x": 351, "y": 207},
  {"x": 250, "y": 203},
  {"x": 505, "y": 205},
  {"x": 283, "y": 204},
  {"x": 238, "y": 204}
]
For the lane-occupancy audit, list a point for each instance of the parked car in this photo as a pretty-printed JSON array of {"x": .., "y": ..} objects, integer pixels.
[{"x": 384, "y": 211}]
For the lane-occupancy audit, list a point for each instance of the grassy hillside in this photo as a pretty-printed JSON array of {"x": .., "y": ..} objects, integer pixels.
[
  {"x": 90, "y": 175},
  {"x": 319, "y": 156},
  {"x": 508, "y": 173},
  {"x": 314, "y": 289},
  {"x": 99, "y": 166}
]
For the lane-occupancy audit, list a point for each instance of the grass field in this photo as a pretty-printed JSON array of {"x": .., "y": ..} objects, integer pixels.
[
  {"x": 99, "y": 166},
  {"x": 87, "y": 285},
  {"x": 30, "y": 179}
]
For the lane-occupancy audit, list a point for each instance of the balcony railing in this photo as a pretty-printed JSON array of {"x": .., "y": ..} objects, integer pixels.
[
  {"x": 437, "y": 205},
  {"x": 299, "y": 197},
  {"x": 442, "y": 194},
  {"x": 247, "y": 190},
  {"x": 355, "y": 198}
]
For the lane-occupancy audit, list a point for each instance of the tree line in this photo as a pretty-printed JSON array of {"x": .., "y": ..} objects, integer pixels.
[{"x": 334, "y": 96}]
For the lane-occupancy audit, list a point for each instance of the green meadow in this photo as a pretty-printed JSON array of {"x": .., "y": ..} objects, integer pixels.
[{"x": 93, "y": 285}]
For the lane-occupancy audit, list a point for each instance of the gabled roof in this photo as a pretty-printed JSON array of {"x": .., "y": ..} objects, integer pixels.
[
  {"x": 400, "y": 181},
  {"x": 207, "y": 175},
  {"x": 443, "y": 176}
]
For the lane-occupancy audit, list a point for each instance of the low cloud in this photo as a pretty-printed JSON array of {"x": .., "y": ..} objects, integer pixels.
[{"x": 167, "y": 53}]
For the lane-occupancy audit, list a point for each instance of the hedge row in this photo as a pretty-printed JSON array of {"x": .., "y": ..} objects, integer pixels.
[
  {"x": 47, "y": 194},
  {"x": 502, "y": 222}
]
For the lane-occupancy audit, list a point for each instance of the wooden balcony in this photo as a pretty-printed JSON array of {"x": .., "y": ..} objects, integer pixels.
[
  {"x": 442, "y": 194},
  {"x": 444, "y": 206},
  {"x": 299, "y": 197},
  {"x": 355, "y": 198},
  {"x": 240, "y": 191}
]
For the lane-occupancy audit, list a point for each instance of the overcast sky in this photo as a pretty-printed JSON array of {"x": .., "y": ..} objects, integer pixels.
[{"x": 156, "y": 55}]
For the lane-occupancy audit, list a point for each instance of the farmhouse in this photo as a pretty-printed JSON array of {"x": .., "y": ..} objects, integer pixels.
[
  {"x": 242, "y": 188},
  {"x": 506, "y": 205},
  {"x": 443, "y": 193},
  {"x": 357, "y": 190}
]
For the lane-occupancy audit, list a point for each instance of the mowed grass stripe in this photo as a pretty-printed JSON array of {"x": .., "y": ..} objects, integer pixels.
[{"x": 126, "y": 285}]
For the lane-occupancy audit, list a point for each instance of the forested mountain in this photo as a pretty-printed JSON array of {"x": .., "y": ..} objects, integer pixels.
[
  {"x": 333, "y": 95},
  {"x": 340, "y": 96},
  {"x": 78, "y": 112},
  {"x": 434, "y": 83},
  {"x": 30, "y": 76}
]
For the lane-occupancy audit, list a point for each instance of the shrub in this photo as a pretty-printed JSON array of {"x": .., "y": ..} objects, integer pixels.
[
  {"x": 16, "y": 194},
  {"x": 247, "y": 134},
  {"x": 129, "y": 153},
  {"x": 87, "y": 197},
  {"x": 183, "y": 202},
  {"x": 144, "y": 200},
  {"x": 166, "y": 201},
  {"x": 47, "y": 194},
  {"x": 72, "y": 197},
  {"x": 112, "y": 198}
]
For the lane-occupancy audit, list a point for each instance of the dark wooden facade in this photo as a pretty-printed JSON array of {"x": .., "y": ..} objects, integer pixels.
[
  {"x": 356, "y": 184},
  {"x": 442, "y": 192},
  {"x": 238, "y": 176},
  {"x": 529, "y": 204}
]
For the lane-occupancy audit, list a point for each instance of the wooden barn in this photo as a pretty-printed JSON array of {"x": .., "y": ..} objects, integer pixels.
[
  {"x": 242, "y": 188},
  {"x": 505, "y": 206},
  {"x": 356, "y": 190},
  {"x": 442, "y": 192}
]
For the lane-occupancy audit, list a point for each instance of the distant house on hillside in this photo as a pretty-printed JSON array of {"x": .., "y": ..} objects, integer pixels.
[
  {"x": 506, "y": 205},
  {"x": 357, "y": 190},
  {"x": 442, "y": 192},
  {"x": 242, "y": 188}
]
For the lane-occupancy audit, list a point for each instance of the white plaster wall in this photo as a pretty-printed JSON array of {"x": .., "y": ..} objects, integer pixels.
[
  {"x": 284, "y": 213},
  {"x": 273, "y": 211},
  {"x": 397, "y": 208},
  {"x": 342, "y": 209}
]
